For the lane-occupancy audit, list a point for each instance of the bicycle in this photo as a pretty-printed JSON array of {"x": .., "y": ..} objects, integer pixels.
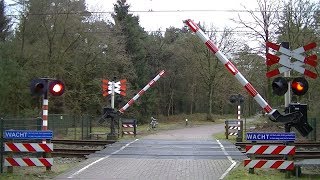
[{"x": 153, "y": 124}]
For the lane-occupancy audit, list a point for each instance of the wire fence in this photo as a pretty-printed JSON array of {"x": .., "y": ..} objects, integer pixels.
[
  {"x": 86, "y": 126},
  {"x": 63, "y": 126}
]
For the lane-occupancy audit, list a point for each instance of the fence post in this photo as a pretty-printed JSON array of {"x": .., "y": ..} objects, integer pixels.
[
  {"x": 135, "y": 127},
  {"x": 39, "y": 123},
  {"x": 10, "y": 168},
  {"x": 252, "y": 156},
  {"x": 82, "y": 127},
  {"x": 1, "y": 145},
  {"x": 315, "y": 129},
  {"x": 314, "y": 125},
  {"x": 75, "y": 127},
  {"x": 227, "y": 128}
]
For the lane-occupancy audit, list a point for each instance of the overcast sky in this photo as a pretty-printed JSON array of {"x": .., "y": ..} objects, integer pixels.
[{"x": 174, "y": 13}]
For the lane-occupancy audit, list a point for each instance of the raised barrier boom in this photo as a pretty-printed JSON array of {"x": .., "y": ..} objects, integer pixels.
[
  {"x": 274, "y": 114},
  {"x": 142, "y": 91}
]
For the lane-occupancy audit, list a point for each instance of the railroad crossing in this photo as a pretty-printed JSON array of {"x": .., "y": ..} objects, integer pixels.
[{"x": 189, "y": 153}]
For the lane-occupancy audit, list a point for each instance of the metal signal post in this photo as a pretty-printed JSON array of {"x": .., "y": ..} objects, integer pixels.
[{"x": 41, "y": 87}]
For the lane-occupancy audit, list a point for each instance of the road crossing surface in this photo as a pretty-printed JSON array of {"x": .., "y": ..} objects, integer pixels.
[{"x": 189, "y": 153}]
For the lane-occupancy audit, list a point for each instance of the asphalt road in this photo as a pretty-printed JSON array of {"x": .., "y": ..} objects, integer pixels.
[{"x": 189, "y": 153}]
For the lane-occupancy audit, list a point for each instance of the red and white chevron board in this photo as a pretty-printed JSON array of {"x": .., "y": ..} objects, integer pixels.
[
  {"x": 128, "y": 132},
  {"x": 127, "y": 125},
  {"x": 311, "y": 60},
  {"x": 142, "y": 91},
  {"x": 271, "y": 149},
  {"x": 287, "y": 66},
  {"x": 274, "y": 164},
  {"x": 284, "y": 60},
  {"x": 229, "y": 65},
  {"x": 118, "y": 87},
  {"x": 105, "y": 84},
  {"x": 28, "y": 162},
  {"x": 28, "y": 147}
]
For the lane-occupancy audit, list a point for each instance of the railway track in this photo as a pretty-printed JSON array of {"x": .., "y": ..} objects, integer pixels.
[
  {"x": 70, "y": 152},
  {"x": 83, "y": 142},
  {"x": 86, "y": 147},
  {"x": 78, "y": 148}
]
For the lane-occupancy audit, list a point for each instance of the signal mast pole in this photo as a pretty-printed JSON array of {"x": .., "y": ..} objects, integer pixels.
[{"x": 287, "y": 96}]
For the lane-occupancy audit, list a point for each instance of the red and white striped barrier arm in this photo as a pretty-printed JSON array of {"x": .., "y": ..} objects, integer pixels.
[
  {"x": 142, "y": 91},
  {"x": 274, "y": 164},
  {"x": 47, "y": 162},
  {"x": 28, "y": 147},
  {"x": 271, "y": 149},
  {"x": 250, "y": 89}
]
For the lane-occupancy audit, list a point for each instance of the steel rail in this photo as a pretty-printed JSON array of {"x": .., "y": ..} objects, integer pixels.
[{"x": 83, "y": 142}]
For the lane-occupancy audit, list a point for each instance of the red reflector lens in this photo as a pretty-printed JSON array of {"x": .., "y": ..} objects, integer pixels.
[
  {"x": 56, "y": 87},
  {"x": 297, "y": 86}
]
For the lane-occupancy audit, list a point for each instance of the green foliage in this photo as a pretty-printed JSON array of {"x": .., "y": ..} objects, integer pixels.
[{"x": 52, "y": 39}]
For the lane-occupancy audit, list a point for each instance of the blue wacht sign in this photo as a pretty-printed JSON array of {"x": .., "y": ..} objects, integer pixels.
[
  {"x": 27, "y": 134},
  {"x": 270, "y": 136}
]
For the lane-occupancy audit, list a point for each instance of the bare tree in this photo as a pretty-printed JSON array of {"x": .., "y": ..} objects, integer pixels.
[
  {"x": 4, "y": 23},
  {"x": 262, "y": 27}
]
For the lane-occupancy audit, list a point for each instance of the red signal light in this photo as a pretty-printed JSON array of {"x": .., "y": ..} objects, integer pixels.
[
  {"x": 56, "y": 88},
  {"x": 299, "y": 86}
]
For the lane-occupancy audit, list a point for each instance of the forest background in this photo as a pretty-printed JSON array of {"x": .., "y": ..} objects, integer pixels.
[{"x": 61, "y": 39}]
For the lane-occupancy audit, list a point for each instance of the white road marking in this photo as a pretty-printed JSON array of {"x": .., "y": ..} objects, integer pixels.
[
  {"x": 234, "y": 163},
  {"x": 87, "y": 166}
]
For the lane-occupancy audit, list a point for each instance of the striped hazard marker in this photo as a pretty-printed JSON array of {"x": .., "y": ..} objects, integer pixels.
[
  {"x": 233, "y": 133},
  {"x": 128, "y": 132},
  {"x": 28, "y": 162},
  {"x": 127, "y": 125},
  {"x": 286, "y": 63},
  {"x": 274, "y": 164},
  {"x": 28, "y": 147},
  {"x": 234, "y": 127},
  {"x": 271, "y": 149}
]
